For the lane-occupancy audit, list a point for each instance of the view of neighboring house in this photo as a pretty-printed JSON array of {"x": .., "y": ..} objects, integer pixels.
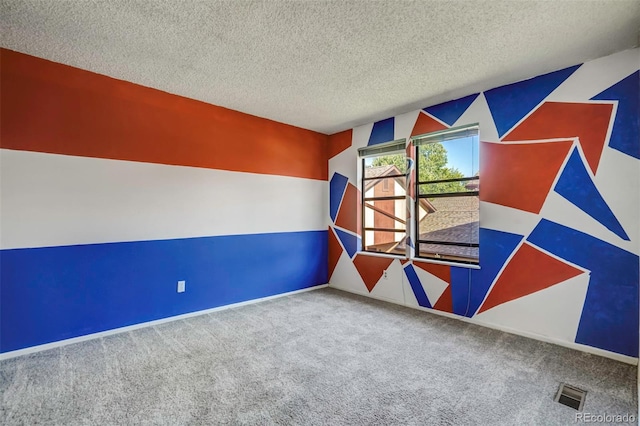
[
  {"x": 387, "y": 214},
  {"x": 451, "y": 219}
]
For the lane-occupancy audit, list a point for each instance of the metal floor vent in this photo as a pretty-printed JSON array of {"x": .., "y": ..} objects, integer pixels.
[{"x": 571, "y": 396}]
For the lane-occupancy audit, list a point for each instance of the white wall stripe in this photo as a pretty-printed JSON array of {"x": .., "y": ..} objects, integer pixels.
[{"x": 54, "y": 200}]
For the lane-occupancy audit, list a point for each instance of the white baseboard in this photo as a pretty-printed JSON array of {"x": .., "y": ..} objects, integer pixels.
[
  {"x": 59, "y": 343},
  {"x": 577, "y": 346},
  {"x": 571, "y": 345}
]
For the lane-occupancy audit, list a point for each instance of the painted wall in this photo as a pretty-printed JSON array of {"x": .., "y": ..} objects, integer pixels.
[
  {"x": 560, "y": 202},
  {"x": 112, "y": 192}
]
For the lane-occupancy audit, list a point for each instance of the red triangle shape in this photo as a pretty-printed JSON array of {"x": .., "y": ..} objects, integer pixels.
[
  {"x": 589, "y": 122},
  {"x": 445, "y": 302},
  {"x": 371, "y": 268},
  {"x": 528, "y": 271},
  {"x": 520, "y": 175},
  {"x": 335, "y": 250},
  {"x": 349, "y": 215},
  {"x": 426, "y": 124},
  {"x": 441, "y": 271}
]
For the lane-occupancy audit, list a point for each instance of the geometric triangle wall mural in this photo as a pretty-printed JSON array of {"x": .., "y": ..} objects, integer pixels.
[
  {"x": 576, "y": 186},
  {"x": 508, "y": 104},
  {"x": 335, "y": 250},
  {"x": 576, "y": 132},
  {"x": 425, "y": 124},
  {"x": 520, "y": 175},
  {"x": 589, "y": 122},
  {"x": 371, "y": 268},
  {"x": 449, "y": 112},
  {"x": 625, "y": 136},
  {"x": 528, "y": 271},
  {"x": 416, "y": 286}
]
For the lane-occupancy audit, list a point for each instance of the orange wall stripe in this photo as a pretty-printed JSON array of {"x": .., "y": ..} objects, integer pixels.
[{"x": 55, "y": 108}]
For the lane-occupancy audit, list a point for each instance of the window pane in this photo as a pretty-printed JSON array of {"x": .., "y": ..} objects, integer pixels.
[
  {"x": 449, "y": 159},
  {"x": 385, "y": 187},
  {"x": 385, "y": 165},
  {"x": 385, "y": 242},
  {"x": 447, "y": 252},
  {"x": 385, "y": 214},
  {"x": 450, "y": 187},
  {"x": 450, "y": 219},
  {"x": 447, "y": 225}
]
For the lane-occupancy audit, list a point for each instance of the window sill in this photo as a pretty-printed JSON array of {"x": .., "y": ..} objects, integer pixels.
[
  {"x": 378, "y": 254},
  {"x": 418, "y": 259},
  {"x": 444, "y": 262}
]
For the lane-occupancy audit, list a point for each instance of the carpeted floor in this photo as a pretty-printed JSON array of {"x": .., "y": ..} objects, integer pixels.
[{"x": 323, "y": 357}]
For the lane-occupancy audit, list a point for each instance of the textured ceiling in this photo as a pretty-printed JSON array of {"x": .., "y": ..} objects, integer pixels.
[{"x": 320, "y": 65}]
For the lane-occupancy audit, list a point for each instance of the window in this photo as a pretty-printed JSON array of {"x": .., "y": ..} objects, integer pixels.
[
  {"x": 384, "y": 169},
  {"x": 447, "y": 216}
]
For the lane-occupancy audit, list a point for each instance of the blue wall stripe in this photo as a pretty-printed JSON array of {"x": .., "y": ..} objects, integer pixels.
[{"x": 56, "y": 293}]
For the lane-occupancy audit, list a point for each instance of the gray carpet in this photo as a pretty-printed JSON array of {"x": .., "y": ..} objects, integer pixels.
[{"x": 322, "y": 357}]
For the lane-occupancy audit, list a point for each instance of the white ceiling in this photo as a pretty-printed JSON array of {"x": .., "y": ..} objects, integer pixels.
[{"x": 320, "y": 65}]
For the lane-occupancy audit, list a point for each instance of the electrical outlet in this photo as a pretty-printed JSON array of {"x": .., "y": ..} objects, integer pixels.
[
  {"x": 181, "y": 286},
  {"x": 385, "y": 274}
]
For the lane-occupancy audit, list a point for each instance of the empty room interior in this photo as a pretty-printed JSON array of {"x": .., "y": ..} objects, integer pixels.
[{"x": 270, "y": 212}]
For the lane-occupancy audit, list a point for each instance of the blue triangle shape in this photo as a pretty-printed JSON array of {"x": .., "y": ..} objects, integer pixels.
[
  {"x": 416, "y": 286},
  {"x": 508, "y": 104},
  {"x": 470, "y": 286},
  {"x": 576, "y": 186},
  {"x": 609, "y": 317},
  {"x": 337, "y": 185},
  {"x": 351, "y": 243},
  {"x": 449, "y": 112},
  {"x": 382, "y": 131},
  {"x": 625, "y": 136}
]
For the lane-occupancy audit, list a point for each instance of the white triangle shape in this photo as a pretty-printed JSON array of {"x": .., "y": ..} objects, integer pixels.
[
  {"x": 432, "y": 285},
  {"x": 553, "y": 312},
  {"x": 507, "y": 219},
  {"x": 614, "y": 169},
  {"x": 390, "y": 288},
  {"x": 409, "y": 297},
  {"x": 478, "y": 112},
  {"x": 404, "y": 124},
  {"x": 560, "y": 210},
  {"x": 346, "y": 277},
  {"x": 595, "y": 76}
]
